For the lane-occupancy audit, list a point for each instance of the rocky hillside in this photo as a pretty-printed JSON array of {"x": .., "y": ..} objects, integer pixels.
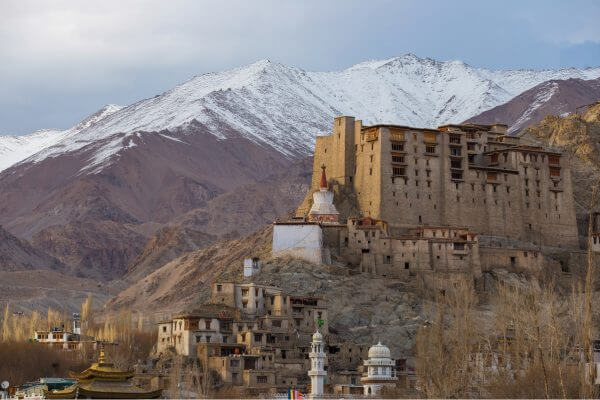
[
  {"x": 579, "y": 135},
  {"x": 165, "y": 245},
  {"x": 185, "y": 281},
  {"x": 360, "y": 309},
  {"x": 554, "y": 97}
]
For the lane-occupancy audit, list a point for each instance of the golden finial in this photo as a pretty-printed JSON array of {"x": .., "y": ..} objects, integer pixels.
[{"x": 102, "y": 358}]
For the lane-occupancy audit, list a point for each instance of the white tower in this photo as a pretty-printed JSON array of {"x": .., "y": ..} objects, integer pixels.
[
  {"x": 76, "y": 324},
  {"x": 380, "y": 370},
  {"x": 251, "y": 266},
  {"x": 317, "y": 372}
]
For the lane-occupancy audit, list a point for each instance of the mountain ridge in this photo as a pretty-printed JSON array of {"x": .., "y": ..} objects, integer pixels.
[
  {"x": 553, "y": 97},
  {"x": 285, "y": 107}
]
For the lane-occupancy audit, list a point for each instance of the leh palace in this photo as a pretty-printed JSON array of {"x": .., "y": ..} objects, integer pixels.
[{"x": 396, "y": 201}]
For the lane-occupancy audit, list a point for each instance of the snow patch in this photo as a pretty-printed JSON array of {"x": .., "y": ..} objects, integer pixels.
[{"x": 540, "y": 99}]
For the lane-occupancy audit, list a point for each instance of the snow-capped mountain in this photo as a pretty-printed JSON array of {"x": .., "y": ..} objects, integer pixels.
[
  {"x": 555, "y": 97},
  {"x": 286, "y": 107},
  {"x": 17, "y": 148}
]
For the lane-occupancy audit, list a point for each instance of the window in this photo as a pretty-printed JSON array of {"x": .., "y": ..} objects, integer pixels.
[
  {"x": 397, "y": 146},
  {"x": 455, "y": 151},
  {"x": 406, "y": 265},
  {"x": 554, "y": 171},
  {"x": 457, "y": 175},
  {"x": 397, "y": 159},
  {"x": 219, "y": 288},
  {"x": 455, "y": 139},
  {"x": 456, "y": 164},
  {"x": 430, "y": 149},
  {"x": 261, "y": 379}
]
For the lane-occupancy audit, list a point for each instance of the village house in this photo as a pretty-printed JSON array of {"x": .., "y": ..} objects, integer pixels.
[
  {"x": 61, "y": 337},
  {"x": 253, "y": 336}
]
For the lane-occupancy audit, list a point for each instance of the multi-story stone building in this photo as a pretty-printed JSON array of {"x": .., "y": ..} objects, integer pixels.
[
  {"x": 471, "y": 176},
  {"x": 254, "y": 337}
]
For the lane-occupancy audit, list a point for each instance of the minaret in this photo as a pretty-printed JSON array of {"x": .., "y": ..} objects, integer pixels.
[{"x": 317, "y": 372}]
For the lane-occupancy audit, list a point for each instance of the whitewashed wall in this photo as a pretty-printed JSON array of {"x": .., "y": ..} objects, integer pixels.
[{"x": 302, "y": 241}]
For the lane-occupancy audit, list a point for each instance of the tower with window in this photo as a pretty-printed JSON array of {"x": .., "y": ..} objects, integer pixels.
[{"x": 317, "y": 371}]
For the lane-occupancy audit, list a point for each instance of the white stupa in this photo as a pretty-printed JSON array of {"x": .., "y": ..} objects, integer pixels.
[
  {"x": 317, "y": 371},
  {"x": 380, "y": 370},
  {"x": 323, "y": 210}
]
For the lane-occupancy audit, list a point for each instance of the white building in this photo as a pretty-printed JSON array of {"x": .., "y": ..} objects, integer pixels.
[
  {"x": 317, "y": 372},
  {"x": 304, "y": 239},
  {"x": 251, "y": 266},
  {"x": 380, "y": 370}
]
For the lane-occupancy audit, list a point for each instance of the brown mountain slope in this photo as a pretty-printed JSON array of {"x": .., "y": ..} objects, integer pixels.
[
  {"x": 98, "y": 220},
  {"x": 92, "y": 248},
  {"x": 579, "y": 135},
  {"x": 165, "y": 245},
  {"x": 18, "y": 254},
  {"x": 250, "y": 207},
  {"x": 227, "y": 216},
  {"x": 554, "y": 97}
]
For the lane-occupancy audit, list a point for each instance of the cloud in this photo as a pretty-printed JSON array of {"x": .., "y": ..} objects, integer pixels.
[{"x": 61, "y": 60}]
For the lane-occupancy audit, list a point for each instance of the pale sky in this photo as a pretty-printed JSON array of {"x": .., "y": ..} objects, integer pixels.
[{"x": 62, "y": 60}]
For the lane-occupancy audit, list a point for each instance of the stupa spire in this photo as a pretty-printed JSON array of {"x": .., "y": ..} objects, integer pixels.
[{"x": 323, "y": 178}]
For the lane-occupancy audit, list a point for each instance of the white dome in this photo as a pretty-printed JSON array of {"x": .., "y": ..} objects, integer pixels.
[
  {"x": 379, "y": 351},
  {"x": 317, "y": 337}
]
